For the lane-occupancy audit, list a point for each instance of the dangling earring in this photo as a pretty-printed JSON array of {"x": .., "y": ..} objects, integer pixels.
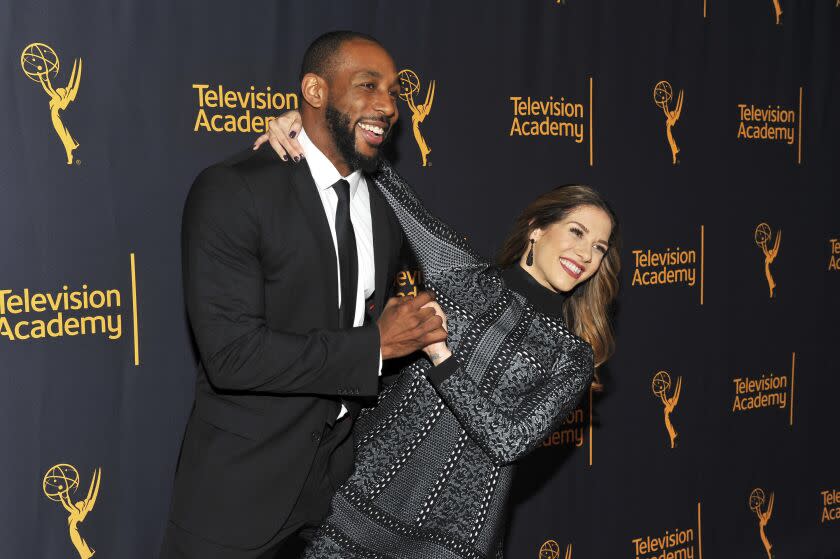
[{"x": 529, "y": 260}]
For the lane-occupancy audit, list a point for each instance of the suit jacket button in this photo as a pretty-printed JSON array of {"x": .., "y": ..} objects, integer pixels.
[{"x": 316, "y": 435}]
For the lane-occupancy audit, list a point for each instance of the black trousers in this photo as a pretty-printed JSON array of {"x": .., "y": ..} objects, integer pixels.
[{"x": 332, "y": 465}]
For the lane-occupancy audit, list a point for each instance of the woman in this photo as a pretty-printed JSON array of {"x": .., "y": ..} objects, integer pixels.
[{"x": 434, "y": 457}]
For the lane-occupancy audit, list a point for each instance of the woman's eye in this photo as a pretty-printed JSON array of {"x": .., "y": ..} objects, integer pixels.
[
  {"x": 602, "y": 248},
  {"x": 577, "y": 232}
]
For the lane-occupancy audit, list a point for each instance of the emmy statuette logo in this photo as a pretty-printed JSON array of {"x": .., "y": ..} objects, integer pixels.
[
  {"x": 409, "y": 86},
  {"x": 757, "y": 502},
  {"x": 660, "y": 385},
  {"x": 763, "y": 236},
  {"x": 663, "y": 94},
  {"x": 777, "y": 7},
  {"x": 39, "y": 62},
  {"x": 59, "y": 482},
  {"x": 551, "y": 550}
]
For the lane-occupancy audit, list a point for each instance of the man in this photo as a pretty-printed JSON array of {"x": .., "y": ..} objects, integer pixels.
[{"x": 282, "y": 263}]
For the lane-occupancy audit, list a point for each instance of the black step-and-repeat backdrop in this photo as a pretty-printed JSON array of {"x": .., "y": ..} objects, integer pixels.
[{"x": 711, "y": 125}]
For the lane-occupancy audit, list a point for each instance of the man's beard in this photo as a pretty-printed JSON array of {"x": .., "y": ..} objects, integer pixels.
[{"x": 344, "y": 136}]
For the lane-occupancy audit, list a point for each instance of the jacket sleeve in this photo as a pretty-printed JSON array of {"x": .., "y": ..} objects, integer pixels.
[
  {"x": 224, "y": 291},
  {"x": 509, "y": 423},
  {"x": 440, "y": 250}
]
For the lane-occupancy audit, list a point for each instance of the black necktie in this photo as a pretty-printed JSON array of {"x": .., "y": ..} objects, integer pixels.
[{"x": 347, "y": 259}]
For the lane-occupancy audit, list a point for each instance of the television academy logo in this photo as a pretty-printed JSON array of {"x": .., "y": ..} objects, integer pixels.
[
  {"x": 763, "y": 237},
  {"x": 409, "y": 86},
  {"x": 30, "y": 314},
  {"x": 675, "y": 265},
  {"x": 576, "y": 429},
  {"x": 766, "y": 391},
  {"x": 226, "y": 110},
  {"x": 570, "y": 432},
  {"x": 834, "y": 254},
  {"x": 40, "y": 63},
  {"x": 59, "y": 483},
  {"x": 777, "y": 7},
  {"x": 663, "y": 94},
  {"x": 757, "y": 501},
  {"x": 551, "y": 550},
  {"x": 673, "y": 543},
  {"x": 555, "y": 116},
  {"x": 772, "y": 123},
  {"x": 408, "y": 282},
  {"x": 830, "y": 505},
  {"x": 660, "y": 385}
]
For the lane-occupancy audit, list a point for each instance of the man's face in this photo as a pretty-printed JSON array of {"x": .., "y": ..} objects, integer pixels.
[{"x": 362, "y": 104}]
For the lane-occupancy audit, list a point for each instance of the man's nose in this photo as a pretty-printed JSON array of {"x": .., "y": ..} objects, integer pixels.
[{"x": 386, "y": 105}]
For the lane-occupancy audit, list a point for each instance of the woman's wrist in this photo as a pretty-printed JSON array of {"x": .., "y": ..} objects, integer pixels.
[{"x": 438, "y": 355}]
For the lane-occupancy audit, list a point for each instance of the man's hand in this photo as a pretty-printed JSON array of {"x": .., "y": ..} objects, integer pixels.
[{"x": 405, "y": 326}]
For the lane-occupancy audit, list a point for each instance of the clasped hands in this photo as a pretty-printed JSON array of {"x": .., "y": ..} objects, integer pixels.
[{"x": 408, "y": 324}]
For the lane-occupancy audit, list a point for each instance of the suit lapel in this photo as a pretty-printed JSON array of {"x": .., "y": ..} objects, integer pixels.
[
  {"x": 381, "y": 244},
  {"x": 313, "y": 209}
]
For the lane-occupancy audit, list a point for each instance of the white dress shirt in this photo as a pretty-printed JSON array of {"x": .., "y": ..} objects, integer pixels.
[{"x": 325, "y": 176}]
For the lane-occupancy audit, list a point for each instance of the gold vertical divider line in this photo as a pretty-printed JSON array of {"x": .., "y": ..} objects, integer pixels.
[
  {"x": 792, "y": 384},
  {"x": 699, "y": 532},
  {"x": 702, "y": 261},
  {"x": 799, "y": 156},
  {"x": 704, "y": 9},
  {"x": 590, "y": 425},
  {"x": 134, "y": 310},
  {"x": 591, "y": 129}
]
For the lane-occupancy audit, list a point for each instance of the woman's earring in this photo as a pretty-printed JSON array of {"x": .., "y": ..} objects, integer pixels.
[{"x": 529, "y": 260}]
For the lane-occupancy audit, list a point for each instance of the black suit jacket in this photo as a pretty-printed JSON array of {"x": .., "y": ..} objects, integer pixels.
[{"x": 262, "y": 297}]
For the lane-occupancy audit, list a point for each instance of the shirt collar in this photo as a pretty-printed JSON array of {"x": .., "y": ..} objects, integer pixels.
[{"x": 323, "y": 171}]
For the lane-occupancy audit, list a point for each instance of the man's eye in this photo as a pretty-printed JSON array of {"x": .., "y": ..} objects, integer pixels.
[{"x": 368, "y": 85}]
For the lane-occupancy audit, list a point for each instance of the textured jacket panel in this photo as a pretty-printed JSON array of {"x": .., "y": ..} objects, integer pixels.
[{"x": 433, "y": 470}]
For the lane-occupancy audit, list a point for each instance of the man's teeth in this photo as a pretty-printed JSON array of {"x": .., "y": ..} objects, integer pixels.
[
  {"x": 571, "y": 266},
  {"x": 371, "y": 128}
]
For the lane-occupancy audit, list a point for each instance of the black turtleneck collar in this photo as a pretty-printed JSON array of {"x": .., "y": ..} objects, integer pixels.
[{"x": 544, "y": 300}]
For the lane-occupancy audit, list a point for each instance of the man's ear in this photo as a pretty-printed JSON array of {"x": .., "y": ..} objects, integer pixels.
[{"x": 315, "y": 90}]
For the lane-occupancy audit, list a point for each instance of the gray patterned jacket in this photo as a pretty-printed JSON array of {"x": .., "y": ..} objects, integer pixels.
[{"x": 433, "y": 458}]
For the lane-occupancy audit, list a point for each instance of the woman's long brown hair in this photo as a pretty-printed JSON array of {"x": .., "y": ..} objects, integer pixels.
[{"x": 587, "y": 307}]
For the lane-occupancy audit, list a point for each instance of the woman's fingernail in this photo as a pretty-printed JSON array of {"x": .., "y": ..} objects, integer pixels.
[
  {"x": 292, "y": 134},
  {"x": 297, "y": 158},
  {"x": 285, "y": 158}
]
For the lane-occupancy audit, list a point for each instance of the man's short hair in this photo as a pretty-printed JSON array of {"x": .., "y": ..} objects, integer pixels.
[{"x": 320, "y": 57}]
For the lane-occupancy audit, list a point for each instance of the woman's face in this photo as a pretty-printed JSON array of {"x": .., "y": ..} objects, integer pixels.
[{"x": 569, "y": 252}]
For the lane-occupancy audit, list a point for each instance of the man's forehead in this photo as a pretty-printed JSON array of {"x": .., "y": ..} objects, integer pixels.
[{"x": 357, "y": 56}]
